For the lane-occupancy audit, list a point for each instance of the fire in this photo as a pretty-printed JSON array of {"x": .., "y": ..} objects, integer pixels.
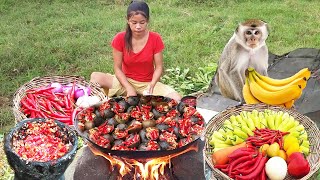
[{"x": 149, "y": 169}]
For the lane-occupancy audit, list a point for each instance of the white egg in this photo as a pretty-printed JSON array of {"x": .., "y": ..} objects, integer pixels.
[{"x": 276, "y": 168}]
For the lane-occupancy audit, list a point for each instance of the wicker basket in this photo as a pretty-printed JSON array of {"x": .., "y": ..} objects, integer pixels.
[
  {"x": 313, "y": 133},
  {"x": 44, "y": 81}
]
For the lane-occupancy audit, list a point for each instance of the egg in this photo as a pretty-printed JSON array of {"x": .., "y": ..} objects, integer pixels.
[{"x": 276, "y": 168}]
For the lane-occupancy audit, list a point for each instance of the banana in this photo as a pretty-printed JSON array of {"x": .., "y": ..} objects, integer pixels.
[
  {"x": 240, "y": 133},
  {"x": 234, "y": 120},
  {"x": 263, "y": 120},
  {"x": 226, "y": 122},
  {"x": 285, "y": 120},
  {"x": 289, "y": 104},
  {"x": 247, "y": 95},
  {"x": 219, "y": 136},
  {"x": 298, "y": 128},
  {"x": 214, "y": 140},
  {"x": 246, "y": 118},
  {"x": 303, "y": 136},
  {"x": 241, "y": 121},
  {"x": 305, "y": 72},
  {"x": 270, "y": 121},
  {"x": 304, "y": 150},
  {"x": 274, "y": 98},
  {"x": 236, "y": 140},
  {"x": 278, "y": 119},
  {"x": 228, "y": 140},
  {"x": 255, "y": 112},
  {"x": 221, "y": 145},
  {"x": 247, "y": 130},
  {"x": 290, "y": 124},
  {"x": 256, "y": 121},
  {"x": 228, "y": 128},
  {"x": 302, "y": 81},
  {"x": 305, "y": 143}
]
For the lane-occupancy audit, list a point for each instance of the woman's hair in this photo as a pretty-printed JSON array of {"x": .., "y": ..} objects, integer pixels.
[{"x": 135, "y": 8}]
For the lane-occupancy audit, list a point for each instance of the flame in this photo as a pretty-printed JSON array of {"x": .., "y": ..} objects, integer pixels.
[{"x": 150, "y": 169}]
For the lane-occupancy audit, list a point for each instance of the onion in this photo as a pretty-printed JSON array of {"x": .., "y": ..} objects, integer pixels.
[
  {"x": 82, "y": 91},
  {"x": 66, "y": 89},
  {"x": 58, "y": 88},
  {"x": 276, "y": 168},
  {"x": 78, "y": 93},
  {"x": 87, "y": 101}
]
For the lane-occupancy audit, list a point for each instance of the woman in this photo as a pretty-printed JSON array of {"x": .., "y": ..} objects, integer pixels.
[{"x": 138, "y": 59}]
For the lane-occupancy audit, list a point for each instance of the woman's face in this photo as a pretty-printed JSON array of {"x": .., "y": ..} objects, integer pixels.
[{"x": 138, "y": 24}]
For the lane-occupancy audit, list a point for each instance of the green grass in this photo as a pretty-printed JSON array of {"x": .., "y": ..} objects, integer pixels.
[{"x": 44, "y": 38}]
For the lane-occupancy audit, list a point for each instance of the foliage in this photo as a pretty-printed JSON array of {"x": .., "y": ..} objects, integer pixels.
[
  {"x": 6, "y": 173},
  {"x": 186, "y": 82}
]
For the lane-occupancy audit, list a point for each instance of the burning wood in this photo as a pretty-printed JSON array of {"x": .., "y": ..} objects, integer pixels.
[{"x": 144, "y": 169}]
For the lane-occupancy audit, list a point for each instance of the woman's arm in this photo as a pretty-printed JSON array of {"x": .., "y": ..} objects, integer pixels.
[
  {"x": 117, "y": 66},
  {"x": 158, "y": 62}
]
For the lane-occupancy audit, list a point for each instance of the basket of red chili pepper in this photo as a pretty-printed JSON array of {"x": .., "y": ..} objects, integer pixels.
[
  {"x": 40, "y": 148},
  {"x": 52, "y": 97},
  {"x": 250, "y": 130}
]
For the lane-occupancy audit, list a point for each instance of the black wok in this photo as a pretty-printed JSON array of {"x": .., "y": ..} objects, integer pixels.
[{"x": 138, "y": 154}]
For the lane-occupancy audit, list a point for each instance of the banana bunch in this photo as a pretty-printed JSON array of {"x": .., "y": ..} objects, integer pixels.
[
  {"x": 282, "y": 92},
  {"x": 238, "y": 128}
]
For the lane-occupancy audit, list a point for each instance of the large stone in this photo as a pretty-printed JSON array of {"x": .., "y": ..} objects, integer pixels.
[{"x": 304, "y": 53}]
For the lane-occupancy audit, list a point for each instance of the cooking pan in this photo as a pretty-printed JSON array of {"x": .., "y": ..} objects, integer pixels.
[{"x": 135, "y": 154}]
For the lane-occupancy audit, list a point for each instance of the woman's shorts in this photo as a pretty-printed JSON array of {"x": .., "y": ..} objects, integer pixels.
[{"x": 160, "y": 89}]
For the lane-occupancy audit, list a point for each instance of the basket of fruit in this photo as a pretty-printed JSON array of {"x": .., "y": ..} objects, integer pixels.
[
  {"x": 260, "y": 141},
  {"x": 54, "y": 97}
]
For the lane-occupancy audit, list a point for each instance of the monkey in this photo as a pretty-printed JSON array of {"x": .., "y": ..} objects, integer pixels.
[{"x": 246, "y": 48}]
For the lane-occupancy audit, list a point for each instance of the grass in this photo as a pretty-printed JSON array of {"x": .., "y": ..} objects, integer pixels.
[{"x": 44, "y": 38}]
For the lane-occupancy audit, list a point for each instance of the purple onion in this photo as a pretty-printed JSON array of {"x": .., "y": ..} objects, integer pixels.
[{"x": 58, "y": 88}]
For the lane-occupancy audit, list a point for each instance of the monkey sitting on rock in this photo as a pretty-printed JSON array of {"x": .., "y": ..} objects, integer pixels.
[{"x": 246, "y": 48}]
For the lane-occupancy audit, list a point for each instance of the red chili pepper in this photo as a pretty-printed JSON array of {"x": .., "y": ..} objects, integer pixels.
[
  {"x": 273, "y": 139},
  {"x": 31, "y": 103},
  {"x": 246, "y": 164},
  {"x": 57, "y": 106},
  {"x": 58, "y": 115},
  {"x": 252, "y": 168},
  {"x": 27, "y": 106},
  {"x": 31, "y": 97},
  {"x": 225, "y": 170},
  {"x": 67, "y": 102},
  {"x": 263, "y": 175},
  {"x": 240, "y": 152},
  {"x": 256, "y": 171},
  {"x": 237, "y": 161},
  {"x": 64, "y": 120},
  {"x": 71, "y": 92},
  {"x": 221, "y": 166},
  {"x": 39, "y": 90}
]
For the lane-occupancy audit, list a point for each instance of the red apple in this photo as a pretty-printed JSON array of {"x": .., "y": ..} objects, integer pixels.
[{"x": 298, "y": 166}]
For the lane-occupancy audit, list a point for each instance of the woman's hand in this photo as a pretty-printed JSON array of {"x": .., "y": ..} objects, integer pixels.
[
  {"x": 131, "y": 92},
  {"x": 150, "y": 88}
]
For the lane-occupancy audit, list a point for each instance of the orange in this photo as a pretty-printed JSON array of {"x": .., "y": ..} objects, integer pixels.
[
  {"x": 282, "y": 154},
  {"x": 263, "y": 149},
  {"x": 294, "y": 147},
  {"x": 273, "y": 149}
]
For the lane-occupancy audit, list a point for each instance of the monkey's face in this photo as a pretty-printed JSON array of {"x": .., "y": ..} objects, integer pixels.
[
  {"x": 252, "y": 34},
  {"x": 252, "y": 37}
]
